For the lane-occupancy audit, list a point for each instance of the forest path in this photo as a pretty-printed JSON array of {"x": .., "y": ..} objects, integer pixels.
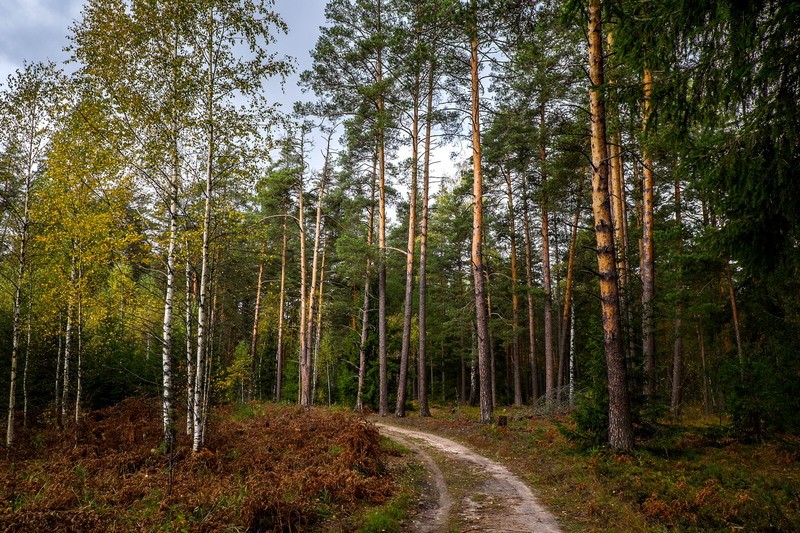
[{"x": 474, "y": 492}]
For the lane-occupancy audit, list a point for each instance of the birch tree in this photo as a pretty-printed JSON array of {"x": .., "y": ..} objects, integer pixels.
[{"x": 29, "y": 111}]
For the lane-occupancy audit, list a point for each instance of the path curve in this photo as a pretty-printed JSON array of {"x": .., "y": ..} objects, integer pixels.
[{"x": 498, "y": 501}]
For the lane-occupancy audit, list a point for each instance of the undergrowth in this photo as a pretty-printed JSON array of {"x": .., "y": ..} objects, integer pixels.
[{"x": 264, "y": 468}]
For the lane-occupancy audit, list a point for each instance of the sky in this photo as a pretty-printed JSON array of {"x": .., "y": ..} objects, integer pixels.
[{"x": 37, "y": 30}]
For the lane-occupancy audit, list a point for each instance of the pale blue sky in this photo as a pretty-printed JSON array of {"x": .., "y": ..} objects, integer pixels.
[{"x": 36, "y": 30}]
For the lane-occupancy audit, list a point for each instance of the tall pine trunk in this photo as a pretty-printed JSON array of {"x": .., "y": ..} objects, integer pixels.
[
  {"x": 620, "y": 430},
  {"x": 362, "y": 346},
  {"x": 307, "y": 365},
  {"x": 515, "y": 366},
  {"x": 423, "y": 255},
  {"x": 529, "y": 286},
  {"x": 648, "y": 259},
  {"x": 400, "y": 407},
  {"x": 677, "y": 347},
  {"x": 318, "y": 326},
  {"x": 303, "y": 367},
  {"x": 383, "y": 379},
  {"x": 481, "y": 312},
  {"x": 547, "y": 285}
]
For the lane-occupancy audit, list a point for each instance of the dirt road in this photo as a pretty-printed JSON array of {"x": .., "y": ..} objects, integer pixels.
[{"x": 474, "y": 493}]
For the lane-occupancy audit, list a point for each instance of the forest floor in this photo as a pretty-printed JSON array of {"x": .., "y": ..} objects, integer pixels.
[
  {"x": 681, "y": 477},
  {"x": 271, "y": 467},
  {"x": 264, "y": 468}
]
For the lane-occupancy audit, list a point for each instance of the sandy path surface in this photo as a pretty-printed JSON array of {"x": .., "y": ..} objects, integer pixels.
[{"x": 474, "y": 493}]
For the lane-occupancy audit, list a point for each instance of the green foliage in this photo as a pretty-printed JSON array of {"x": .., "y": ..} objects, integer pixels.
[{"x": 591, "y": 403}]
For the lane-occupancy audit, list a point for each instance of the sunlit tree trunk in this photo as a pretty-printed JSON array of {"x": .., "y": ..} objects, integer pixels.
[
  {"x": 701, "y": 342},
  {"x": 481, "y": 312},
  {"x": 383, "y": 385},
  {"x": 423, "y": 257},
  {"x": 303, "y": 277},
  {"x": 400, "y": 407},
  {"x": 620, "y": 431}
]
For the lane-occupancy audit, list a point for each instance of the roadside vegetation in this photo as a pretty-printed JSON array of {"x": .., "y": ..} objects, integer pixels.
[
  {"x": 681, "y": 477},
  {"x": 265, "y": 467}
]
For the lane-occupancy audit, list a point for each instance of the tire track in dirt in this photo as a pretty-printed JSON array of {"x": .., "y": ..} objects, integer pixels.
[{"x": 475, "y": 493}]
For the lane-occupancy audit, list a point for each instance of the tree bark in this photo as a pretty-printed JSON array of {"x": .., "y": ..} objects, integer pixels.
[
  {"x": 566, "y": 311},
  {"x": 166, "y": 330},
  {"x": 281, "y": 306},
  {"x": 735, "y": 315},
  {"x": 68, "y": 342},
  {"x": 481, "y": 318},
  {"x": 318, "y": 327},
  {"x": 190, "y": 371},
  {"x": 423, "y": 256},
  {"x": 307, "y": 364},
  {"x": 15, "y": 328},
  {"x": 549, "y": 359},
  {"x": 362, "y": 348},
  {"x": 254, "y": 333},
  {"x": 383, "y": 385},
  {"x": 59, "y": 377},
  {"x": 648, "y": 259},
  {"x": 27, "y": 361},
  {"x": 303, "y": 373},
  {"x": 620, "y": 430},
  {"x": 79, "y": 361},
  {"x": 677, "y": 348},
  {"x": 515, "y": 366},
  {"x": 529, "y": 287},
  {"x": 202, "y": 321},
  {"x": 400, "y": 408}
]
